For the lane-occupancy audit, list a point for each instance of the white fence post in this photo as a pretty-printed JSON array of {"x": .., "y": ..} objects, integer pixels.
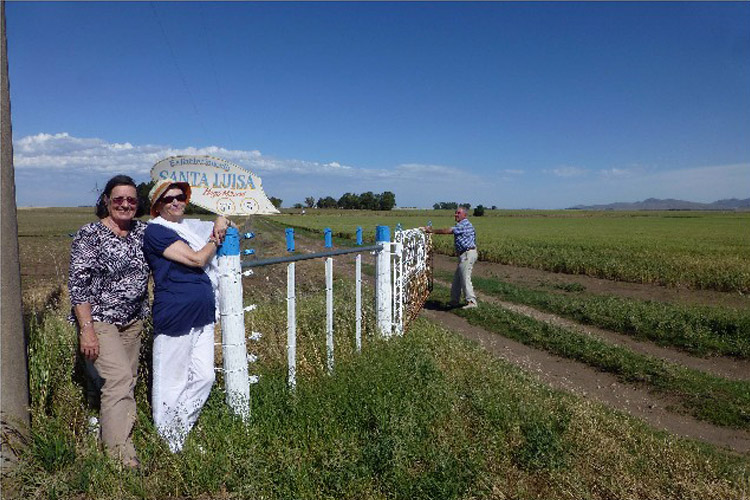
[
  {"x": 358, "y": 303},
  {"x": 291, "y": 314},
  {"x": 232, "y": 315},
  {"x": 383, "y": 292},
  {"x": 291, "y": 327},
  {"x": 329, "y": 313}
]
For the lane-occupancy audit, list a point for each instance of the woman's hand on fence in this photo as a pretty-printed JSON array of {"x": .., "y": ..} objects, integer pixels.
[{"x": 220, "y": 228}]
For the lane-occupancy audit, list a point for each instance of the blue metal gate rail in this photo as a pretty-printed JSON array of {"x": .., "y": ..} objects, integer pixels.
[{"x": 307, "y": 256}]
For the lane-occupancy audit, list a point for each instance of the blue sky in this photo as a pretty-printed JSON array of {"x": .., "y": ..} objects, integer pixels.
[{"x": 519, "y": 105}]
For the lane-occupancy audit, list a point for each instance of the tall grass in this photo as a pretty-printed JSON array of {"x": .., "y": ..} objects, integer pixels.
[{"x": 427, "y": 415}]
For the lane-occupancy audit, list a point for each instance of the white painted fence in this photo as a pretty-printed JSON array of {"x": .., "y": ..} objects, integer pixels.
[
  {"x": 396, "y": 263},
  {"x": 232, "y": 314}
]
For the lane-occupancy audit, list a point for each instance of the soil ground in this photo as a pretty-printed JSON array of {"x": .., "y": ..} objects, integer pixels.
[{"x": 588, "y": 382}]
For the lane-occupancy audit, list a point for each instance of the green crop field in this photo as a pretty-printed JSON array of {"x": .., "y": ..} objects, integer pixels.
[
  {"x": 427, "y": 415},
  {"x": 701, "y": 250}
]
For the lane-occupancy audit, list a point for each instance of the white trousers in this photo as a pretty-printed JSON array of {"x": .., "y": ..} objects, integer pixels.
[
  {"x": 183, "y": 374},
  {"x": 462, "y": 277}
]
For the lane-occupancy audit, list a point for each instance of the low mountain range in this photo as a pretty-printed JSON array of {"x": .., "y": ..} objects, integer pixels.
[{"x": 670, "y": 204}]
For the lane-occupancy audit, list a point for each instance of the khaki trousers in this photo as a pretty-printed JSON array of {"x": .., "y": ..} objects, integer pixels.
[
  {"x": 462, "y": 277},
  {"x": 117, "y": 365}
]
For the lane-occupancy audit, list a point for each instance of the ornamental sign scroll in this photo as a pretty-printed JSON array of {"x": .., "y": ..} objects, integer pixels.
[
  {"x": 217, "y": 185},
  {"x": 415, "y": 251},
  {"x": 415, "y": 273}
]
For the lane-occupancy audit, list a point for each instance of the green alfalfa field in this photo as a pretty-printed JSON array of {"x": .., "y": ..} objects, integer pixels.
[
  {"x": 429, "y": 415},
  {"x": 704, "y": 250}
]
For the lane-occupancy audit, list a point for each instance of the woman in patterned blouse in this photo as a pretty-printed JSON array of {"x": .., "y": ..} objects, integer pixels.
[{"x": 108, "y": 290}]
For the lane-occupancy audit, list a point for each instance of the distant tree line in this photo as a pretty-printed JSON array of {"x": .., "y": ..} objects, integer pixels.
[
  {"x": 350, "y": 201},
  {"x": 276, "y": 202},
  {"x": 452, "y": 205}
]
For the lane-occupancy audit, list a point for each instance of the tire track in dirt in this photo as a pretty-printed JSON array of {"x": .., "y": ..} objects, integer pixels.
[
  {"x": 535, "y": 278},
  {"x": 583, "y": 380},
  {"x": 734, "y": 369},
  {"x": 731, "y": 368},
  {"x": 579, "y": 378}
]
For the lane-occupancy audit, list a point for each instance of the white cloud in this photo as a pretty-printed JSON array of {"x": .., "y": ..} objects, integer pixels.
[
  {"x": 428, "y": 173},
  {"x": 568, "y": 171},
  {"x": 91, "y": 161},
  {"x": 65, "y": 153},
  {"x": 62, "y": 170},
  {"x": 616, "y": 173}
]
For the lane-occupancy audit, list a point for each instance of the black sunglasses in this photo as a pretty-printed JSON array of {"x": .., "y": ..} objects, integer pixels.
[{"x": 169, "y": 199}]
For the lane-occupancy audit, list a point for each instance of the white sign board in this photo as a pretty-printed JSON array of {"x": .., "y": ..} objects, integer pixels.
[{"x": 216, "y": 185}]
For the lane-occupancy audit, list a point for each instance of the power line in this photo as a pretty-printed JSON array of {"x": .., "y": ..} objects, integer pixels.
[
  {"x": 219, "y": 90},
  {"x": 179, "y": 70}
]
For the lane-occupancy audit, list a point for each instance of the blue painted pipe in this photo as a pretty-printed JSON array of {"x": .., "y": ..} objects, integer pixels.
[
  {"x": 290, "y": 239},
  {"x": 382, "y": 234},
  {"x": 359, "y": 235},
  {"x": 328, "y": 237},
  {"x": 231, "y": 244}
]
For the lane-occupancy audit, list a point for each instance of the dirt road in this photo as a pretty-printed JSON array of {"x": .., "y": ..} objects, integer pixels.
[{"x": 588, "y": 382}]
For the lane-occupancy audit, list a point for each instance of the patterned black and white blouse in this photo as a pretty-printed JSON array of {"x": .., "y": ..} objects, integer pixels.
[{"x": 110, "y": 273}]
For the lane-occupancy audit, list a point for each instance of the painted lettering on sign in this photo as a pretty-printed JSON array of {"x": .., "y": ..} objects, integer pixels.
[
  {"x": 201, "y": 179},
  {"x": 217, "y": 185}
]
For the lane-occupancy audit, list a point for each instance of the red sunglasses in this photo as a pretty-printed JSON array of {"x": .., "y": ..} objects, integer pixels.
[{"x": 119, "y": 200}]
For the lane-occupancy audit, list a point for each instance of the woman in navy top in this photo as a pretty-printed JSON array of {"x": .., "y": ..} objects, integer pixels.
[
  {"x": 183, "y": 295},
  {"x": 181, "y": 253}
]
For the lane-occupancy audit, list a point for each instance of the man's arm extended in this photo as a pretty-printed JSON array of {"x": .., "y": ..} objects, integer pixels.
[{"x": 430, "y": 229}]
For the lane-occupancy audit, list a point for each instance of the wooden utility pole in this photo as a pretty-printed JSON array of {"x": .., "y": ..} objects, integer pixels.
[{"x": 14, "y": 384}]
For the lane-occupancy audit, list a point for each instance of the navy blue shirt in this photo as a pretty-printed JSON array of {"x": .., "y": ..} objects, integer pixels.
[{"x": 183, "y": 295}]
